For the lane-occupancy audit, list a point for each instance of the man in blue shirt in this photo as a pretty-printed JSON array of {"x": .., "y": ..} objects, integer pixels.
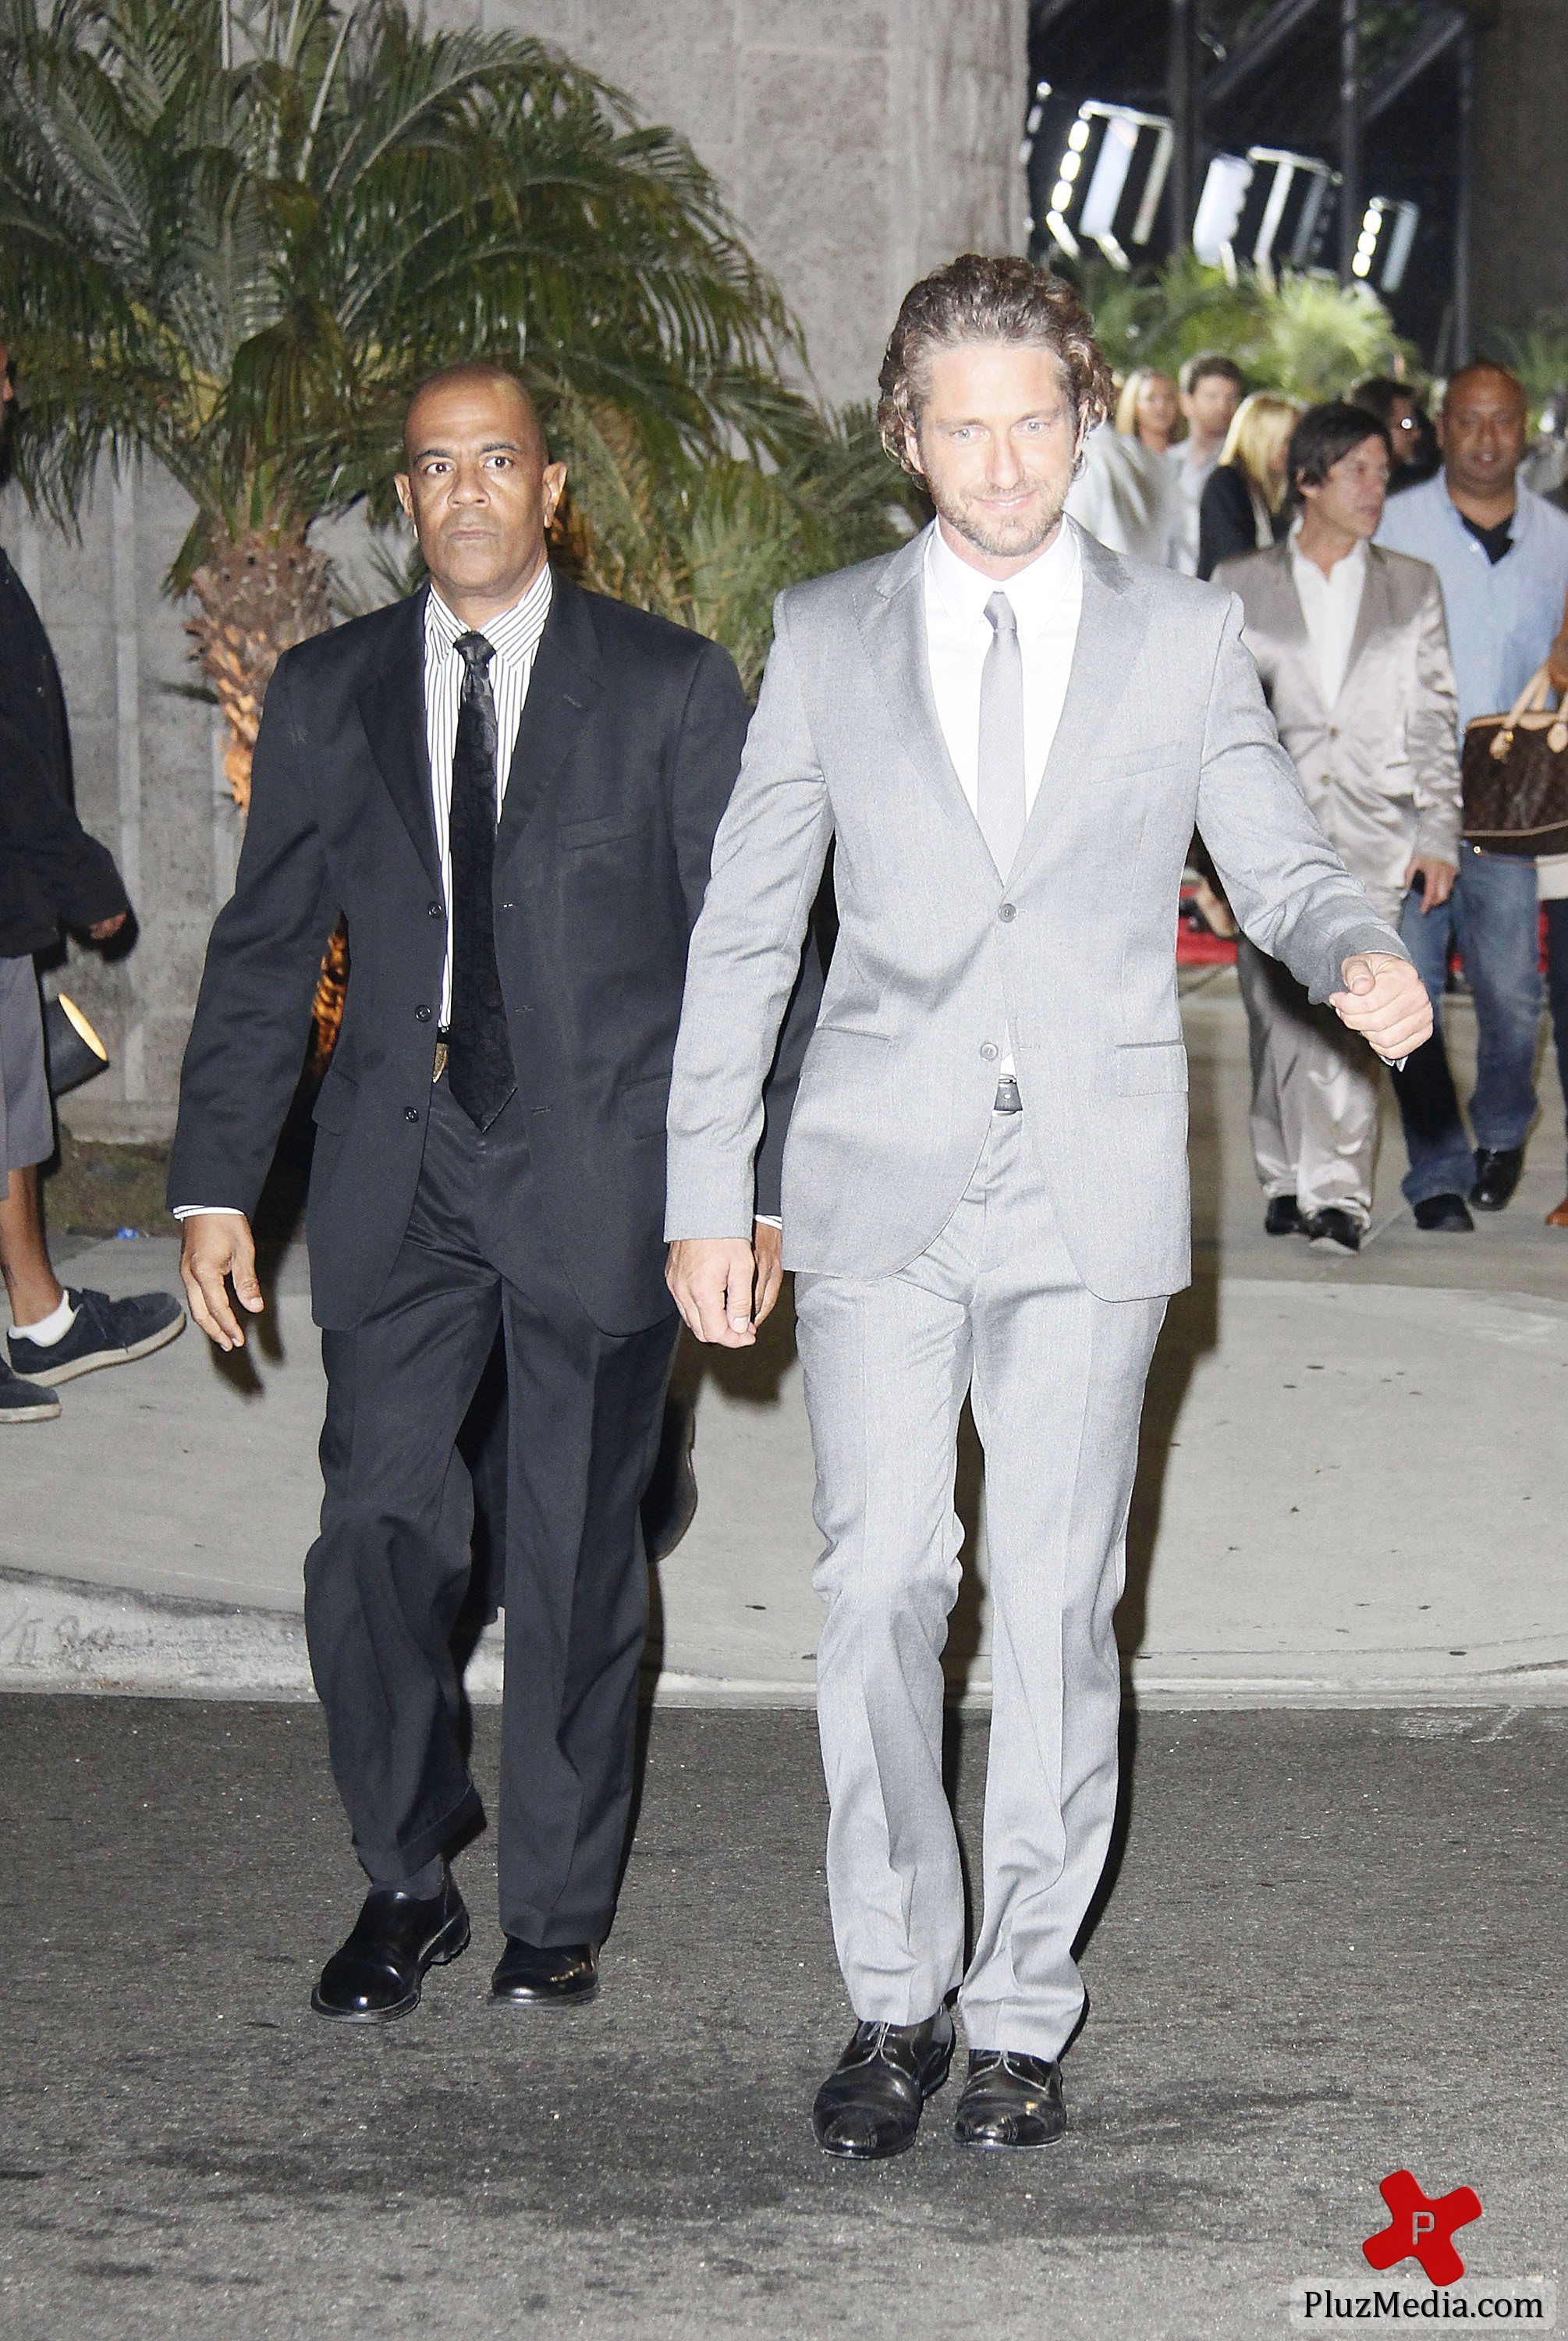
[{"x": 1502, "y": 553}]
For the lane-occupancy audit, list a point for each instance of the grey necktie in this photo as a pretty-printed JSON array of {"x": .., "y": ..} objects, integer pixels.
[{"x": 999, "y": 799}]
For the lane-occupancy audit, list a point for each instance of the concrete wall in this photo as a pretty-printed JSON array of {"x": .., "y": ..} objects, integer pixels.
[
  {"x": 1521, "y": 163},
  {"x": 858, "y": 141}
]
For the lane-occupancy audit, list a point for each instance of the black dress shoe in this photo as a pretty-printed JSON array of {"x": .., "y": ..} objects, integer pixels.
[
  {"x": 1444, "y": 1215},
  {"x": 1010, "y": 2101},
  {"x": 869, "y": 2105},
  {"x": 397, "y": 1938},
  {"x": 562, "y": 1976},
  {"x": 1338, "y": 1226},
  {"x": 1283, "y": 1217},
  {"x": 1497, "y": 1169}
]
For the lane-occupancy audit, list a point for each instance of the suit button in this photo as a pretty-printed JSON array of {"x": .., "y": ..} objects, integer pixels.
[
  {"x": 509, "y": 906},
  {"x": 1332, "y": 733},
  {"x": 411, "y": 1114},
  {"x": 1008, "y": 911},
  {"x": 990, "y": 1051},
  {"x": 421, "y": 1016},
  {"x": 435, "y": 911}
]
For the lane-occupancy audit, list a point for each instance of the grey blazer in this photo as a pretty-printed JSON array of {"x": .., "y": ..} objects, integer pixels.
[
  {"x": 1381, "y": 766},
  {"x": 938, "y": 963}
]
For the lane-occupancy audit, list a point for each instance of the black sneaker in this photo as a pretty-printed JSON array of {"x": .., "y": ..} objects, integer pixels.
[
  {"x": 23, "y": 1402},
  {"x": 106, "y": 1333}
]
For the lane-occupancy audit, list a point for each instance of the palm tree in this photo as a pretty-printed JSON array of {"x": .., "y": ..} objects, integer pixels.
[{"x": 232, "y": 233}]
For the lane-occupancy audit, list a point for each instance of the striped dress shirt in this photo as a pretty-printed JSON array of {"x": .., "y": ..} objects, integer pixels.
[{"x": 514, "y": 636}]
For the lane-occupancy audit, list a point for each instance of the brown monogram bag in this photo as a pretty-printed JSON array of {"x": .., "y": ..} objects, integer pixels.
[{"x": 1516, "y": 776}]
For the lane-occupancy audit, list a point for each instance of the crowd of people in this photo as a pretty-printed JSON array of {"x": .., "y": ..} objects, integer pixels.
[{"x": 1400, "y": 580}]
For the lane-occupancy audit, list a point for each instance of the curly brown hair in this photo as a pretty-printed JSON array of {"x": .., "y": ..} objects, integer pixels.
[{"x": 977, "y": 298}]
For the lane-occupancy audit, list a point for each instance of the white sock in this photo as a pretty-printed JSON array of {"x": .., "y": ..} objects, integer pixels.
[{"x": 51, "y": 1328}]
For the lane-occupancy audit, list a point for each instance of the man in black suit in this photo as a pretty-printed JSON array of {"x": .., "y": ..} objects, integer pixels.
[{"x": 489, "y": 1151}]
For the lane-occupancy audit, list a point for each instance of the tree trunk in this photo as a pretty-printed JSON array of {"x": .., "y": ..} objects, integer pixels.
[{"x": 258, "y": 596}]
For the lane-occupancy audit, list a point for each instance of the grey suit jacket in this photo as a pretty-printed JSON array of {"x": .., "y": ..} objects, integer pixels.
[
  {"x": 938, "y": 963},
  {"x": 1381, "y": 766}
]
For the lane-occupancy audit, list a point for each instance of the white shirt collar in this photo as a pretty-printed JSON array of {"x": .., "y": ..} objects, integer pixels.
[
  {"x": 1352, "y": 565},
  {"x": 1036, "y": 593},
  {"x": 514, "y": 635}
]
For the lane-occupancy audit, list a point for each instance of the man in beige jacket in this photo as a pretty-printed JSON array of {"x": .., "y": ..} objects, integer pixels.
[{"x": 1352, "y": 646}]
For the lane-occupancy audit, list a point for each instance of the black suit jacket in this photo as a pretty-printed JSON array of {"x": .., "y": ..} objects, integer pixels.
[
  {"x": 50, "y": 871},
  {"x": 628, "y": 749}
]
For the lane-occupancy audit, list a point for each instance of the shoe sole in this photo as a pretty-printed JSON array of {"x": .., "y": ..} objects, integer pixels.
[
  {"x": 888, "y": 2153},
  {"x": 1008, "y": 2145},
  {"x": 43, "y": 1412},
  {"x": 545, "y": 2000},
  {"x": 441, "y": 1957},
  {"x": 100, "y": 1358}
]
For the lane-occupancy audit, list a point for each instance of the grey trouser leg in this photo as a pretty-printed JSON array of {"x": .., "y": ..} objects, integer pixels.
[
  {"x": 1314, "y": 1094},
  {"x": 1057, "y": 1381}
]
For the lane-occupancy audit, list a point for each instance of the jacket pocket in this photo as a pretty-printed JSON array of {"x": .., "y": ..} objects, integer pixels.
[
  {"x": 335, "y": 1100},
  {"x": 643, "y": 1106},
  {"x": 1150, "y": 1068},
  {"x": 608, "y": 830}
]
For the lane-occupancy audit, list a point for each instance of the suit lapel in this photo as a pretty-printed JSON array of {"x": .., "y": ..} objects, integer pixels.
[
  {"x": 892, "y": 618},
  {"x": 391, "y": 708},
  {"x": 1111, "y": 629},
  {"x": 565, "y": 684},
  {"x": 1372, "y": 614}
]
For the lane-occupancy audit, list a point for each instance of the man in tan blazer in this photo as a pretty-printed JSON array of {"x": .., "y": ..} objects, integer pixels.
[{"x": 1351, "y": 643}]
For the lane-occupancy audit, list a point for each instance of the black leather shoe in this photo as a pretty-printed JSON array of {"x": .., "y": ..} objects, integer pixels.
[
  {"x": 1283, "y": 1217},
  {"x": 869, "y": 2105},
  {"x": 1444, "y": 1215},
  {"x": 1338, "y": 1226},
  {"x": 397, "y": 1938},
  {"x": 1010, "y": 2101},
  {"x": 1497, "y": 1169},
  {"x": 562, "y": 1976}
]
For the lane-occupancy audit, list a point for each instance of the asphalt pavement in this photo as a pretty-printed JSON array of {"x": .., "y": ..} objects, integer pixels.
[{"x": 1335, "y": 1948}]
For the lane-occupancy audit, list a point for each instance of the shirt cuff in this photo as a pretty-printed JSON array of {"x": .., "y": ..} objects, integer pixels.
[
  {"x": 767, "y": 1220},
  {"x": 204, "y": 1210}
]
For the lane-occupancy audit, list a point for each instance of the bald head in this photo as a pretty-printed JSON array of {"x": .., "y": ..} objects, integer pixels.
[
  {"x": 479, "y": 487},
  {"x": 1482, "y": 432},
  {"x": 1482, "y": 372}
]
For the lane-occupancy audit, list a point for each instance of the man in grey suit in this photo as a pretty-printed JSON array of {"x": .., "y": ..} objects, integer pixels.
[
  {"x": 1353, "y": 652},
  {"x": 1010, "y": 732}
]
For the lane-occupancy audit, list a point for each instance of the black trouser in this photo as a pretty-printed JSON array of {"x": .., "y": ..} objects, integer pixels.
[{"x": 386, "y": 1578}]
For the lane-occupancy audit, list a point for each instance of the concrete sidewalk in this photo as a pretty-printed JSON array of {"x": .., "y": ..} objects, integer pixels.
[{"x": 1353, "y": 1485}]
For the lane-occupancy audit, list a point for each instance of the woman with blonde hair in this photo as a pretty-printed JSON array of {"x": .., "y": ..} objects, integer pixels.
[
  {"x": 1123, "y": 492},
  {"x": 1241, "y": 507},
  {"x": 1150, "y": 410}
]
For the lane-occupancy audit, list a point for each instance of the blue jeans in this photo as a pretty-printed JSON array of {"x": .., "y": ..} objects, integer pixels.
[{"x": 1493, "y": 915}]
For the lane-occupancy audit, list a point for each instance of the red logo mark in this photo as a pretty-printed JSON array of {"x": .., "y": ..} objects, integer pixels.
[{"x": 1421, "y": 2228}]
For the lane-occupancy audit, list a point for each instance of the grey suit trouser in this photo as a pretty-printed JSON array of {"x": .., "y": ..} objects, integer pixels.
[{"x": 994, "y": 1307}]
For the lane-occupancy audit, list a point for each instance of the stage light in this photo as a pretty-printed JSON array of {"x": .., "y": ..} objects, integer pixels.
[
  {"x": 1071, "y": 165},
  {"x": 1388, "y": 228},
  {"x": 1078, "y": 137},
  {"x": 1219, "y": 208}
]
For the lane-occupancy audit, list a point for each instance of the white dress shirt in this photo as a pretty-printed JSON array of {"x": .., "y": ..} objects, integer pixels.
[
  {"x": 515, "y": 637},
  {"x": 1331, "y": 605},
  {"x": 1048, "y": 599}
]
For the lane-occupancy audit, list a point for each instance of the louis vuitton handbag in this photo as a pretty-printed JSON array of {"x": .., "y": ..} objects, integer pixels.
[{"x": 1516, "y": 776}]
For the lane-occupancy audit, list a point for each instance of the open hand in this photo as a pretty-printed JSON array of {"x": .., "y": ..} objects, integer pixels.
[
  {"x": 1437, "y": 879},
  {"x": 1385, "y": 1001},
  {"x": 214, "y": 1247}
]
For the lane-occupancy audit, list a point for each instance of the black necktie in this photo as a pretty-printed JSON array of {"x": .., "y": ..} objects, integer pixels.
[{"x": 479, "y": 1051}]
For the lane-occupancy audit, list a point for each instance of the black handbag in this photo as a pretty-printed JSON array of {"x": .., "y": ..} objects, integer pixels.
[
  {"x": 73, "y": 1050},
  {"x": 1516, "y": 776}
]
